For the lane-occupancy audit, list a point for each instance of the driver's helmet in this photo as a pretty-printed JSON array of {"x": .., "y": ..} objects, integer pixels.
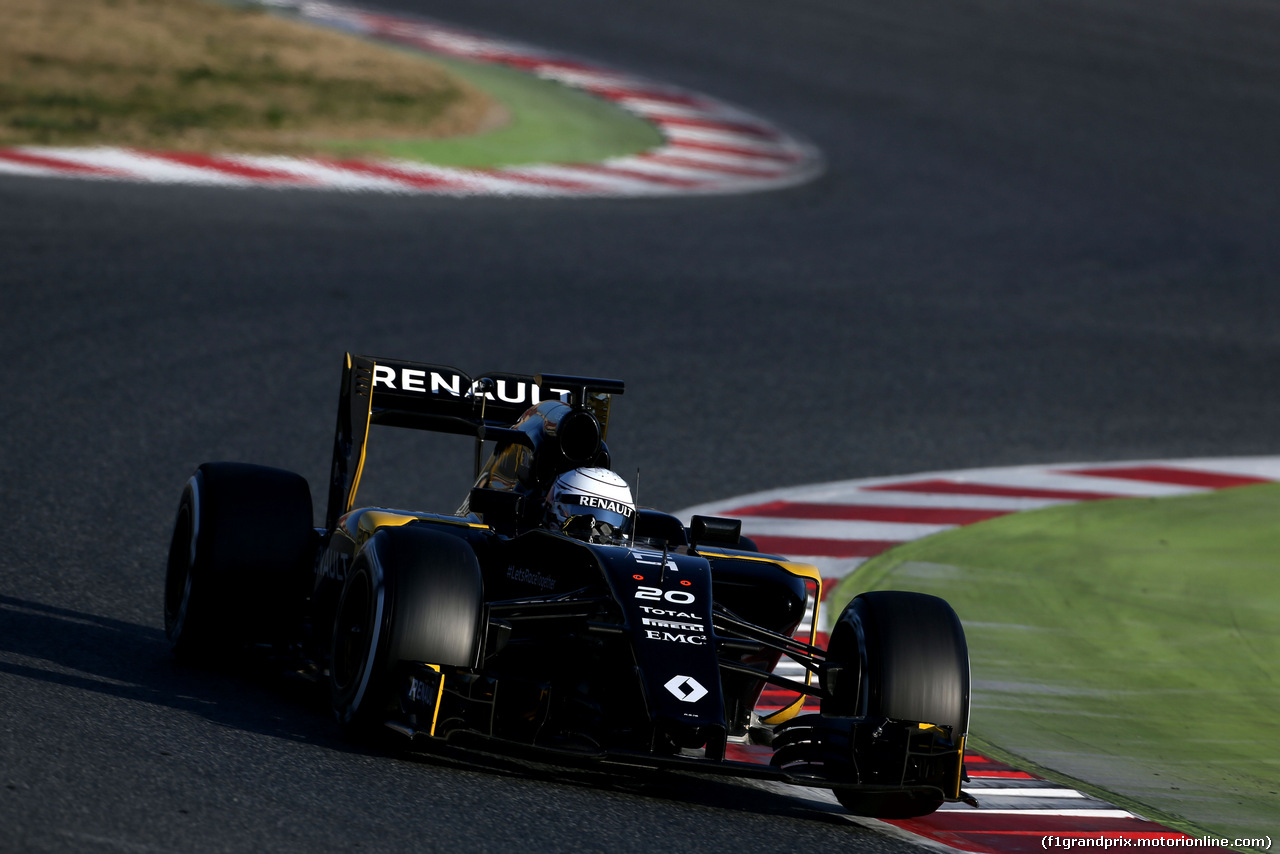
[{"x": 591, "y": 503}]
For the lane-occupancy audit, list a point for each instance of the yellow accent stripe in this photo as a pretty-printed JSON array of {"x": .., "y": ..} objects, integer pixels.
[
  {"x": 809, "y": 572},
  {"x": 955, "y": 793},
  {"x": 359, "y": 525},
  {"x": 435, "y": 714},
  {"x": 364, "y": 442},
  {"x": 743, "y": 556},
  {"x": 785, "y": 714},
  {"x": 804, "y": 570},
  {"x": 371, "y": 520}
]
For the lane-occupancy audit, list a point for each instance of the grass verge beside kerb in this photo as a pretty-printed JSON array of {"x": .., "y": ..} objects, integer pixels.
[
  {"x": 1130, "y": 644},
  {"x": 547, "y": 123},
  {"x": 200, "y": 76}
]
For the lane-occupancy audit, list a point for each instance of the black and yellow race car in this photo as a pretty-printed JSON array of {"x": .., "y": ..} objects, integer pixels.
[{"x": 550, "y": 615}]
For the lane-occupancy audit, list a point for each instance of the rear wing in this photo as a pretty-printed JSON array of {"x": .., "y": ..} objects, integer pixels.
[{"x": 441, "y": 399}]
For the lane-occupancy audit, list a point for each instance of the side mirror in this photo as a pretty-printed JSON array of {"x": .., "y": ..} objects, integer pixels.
[
  {"x": 499, "y": 508},
  {"x": 714, "y": 531}
]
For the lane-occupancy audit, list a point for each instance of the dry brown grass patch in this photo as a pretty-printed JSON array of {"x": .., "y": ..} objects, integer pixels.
[{"x": 202, "y": 76}]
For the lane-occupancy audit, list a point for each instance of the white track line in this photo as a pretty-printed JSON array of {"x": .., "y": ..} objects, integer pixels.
[{"x": 834, "y": 529}]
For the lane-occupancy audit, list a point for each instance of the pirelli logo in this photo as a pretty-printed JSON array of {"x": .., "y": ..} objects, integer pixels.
[{"x": 671, "y": 624}]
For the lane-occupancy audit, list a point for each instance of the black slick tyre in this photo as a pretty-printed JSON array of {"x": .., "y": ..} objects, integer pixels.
[
  {"x": 242, "y": 547},
  {"x": 901, "y": 656},
  {"x": 412, "y": 595}
]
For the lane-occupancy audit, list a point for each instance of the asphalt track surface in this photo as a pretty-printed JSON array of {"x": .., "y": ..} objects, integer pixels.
[{"x": 1047, "y": 232}]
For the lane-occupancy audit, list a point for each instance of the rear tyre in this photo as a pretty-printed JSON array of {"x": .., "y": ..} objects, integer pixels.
[
  {"x": 242, "y": 547},
  {"x": 902, "y": 656},
  {"x": 412, "y": 595}
]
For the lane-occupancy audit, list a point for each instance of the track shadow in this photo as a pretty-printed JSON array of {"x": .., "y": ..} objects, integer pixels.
[
  {"x": 88, "y": 652},
  {"x": 684, "y": 787}
]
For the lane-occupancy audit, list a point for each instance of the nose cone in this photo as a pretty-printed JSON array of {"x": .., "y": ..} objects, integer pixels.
[{"x": 667, "y": 601}]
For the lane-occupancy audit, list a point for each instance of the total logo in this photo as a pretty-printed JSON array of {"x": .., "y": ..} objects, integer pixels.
[
  {"x": 661, "y": 630},
  {"x": 686, "y": 689}
]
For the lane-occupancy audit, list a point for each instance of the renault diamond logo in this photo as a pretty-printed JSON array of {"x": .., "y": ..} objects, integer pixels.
[{"x": 686, "y": 688}]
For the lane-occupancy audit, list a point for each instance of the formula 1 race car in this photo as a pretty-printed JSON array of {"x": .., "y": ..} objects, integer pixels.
[{"x": 549, "y": 615}]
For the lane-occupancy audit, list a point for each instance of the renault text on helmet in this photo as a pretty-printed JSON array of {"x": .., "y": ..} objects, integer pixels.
[{"x": 591, "y": 503}]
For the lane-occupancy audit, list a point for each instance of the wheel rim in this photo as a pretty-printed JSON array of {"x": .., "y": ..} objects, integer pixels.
[{"x": 352, "y": 633}]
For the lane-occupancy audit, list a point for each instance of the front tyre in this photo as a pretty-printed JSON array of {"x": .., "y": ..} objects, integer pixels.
[
  {"x": 412, "y": 595},
  {"x": 901, "y": 656}
]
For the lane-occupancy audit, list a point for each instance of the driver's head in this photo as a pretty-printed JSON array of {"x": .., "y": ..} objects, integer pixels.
[{"x": 591, "y": 503}]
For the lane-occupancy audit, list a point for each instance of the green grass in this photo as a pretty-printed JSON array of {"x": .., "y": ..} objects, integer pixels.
[
  {"x": 1133, "y": 645},
  {"x": 549, "y": 123}
]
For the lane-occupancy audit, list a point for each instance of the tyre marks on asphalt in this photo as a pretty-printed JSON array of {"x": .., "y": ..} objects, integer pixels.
[
  {"x": 709, "y": 147},
  {"x": 838, "y": 526}
]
